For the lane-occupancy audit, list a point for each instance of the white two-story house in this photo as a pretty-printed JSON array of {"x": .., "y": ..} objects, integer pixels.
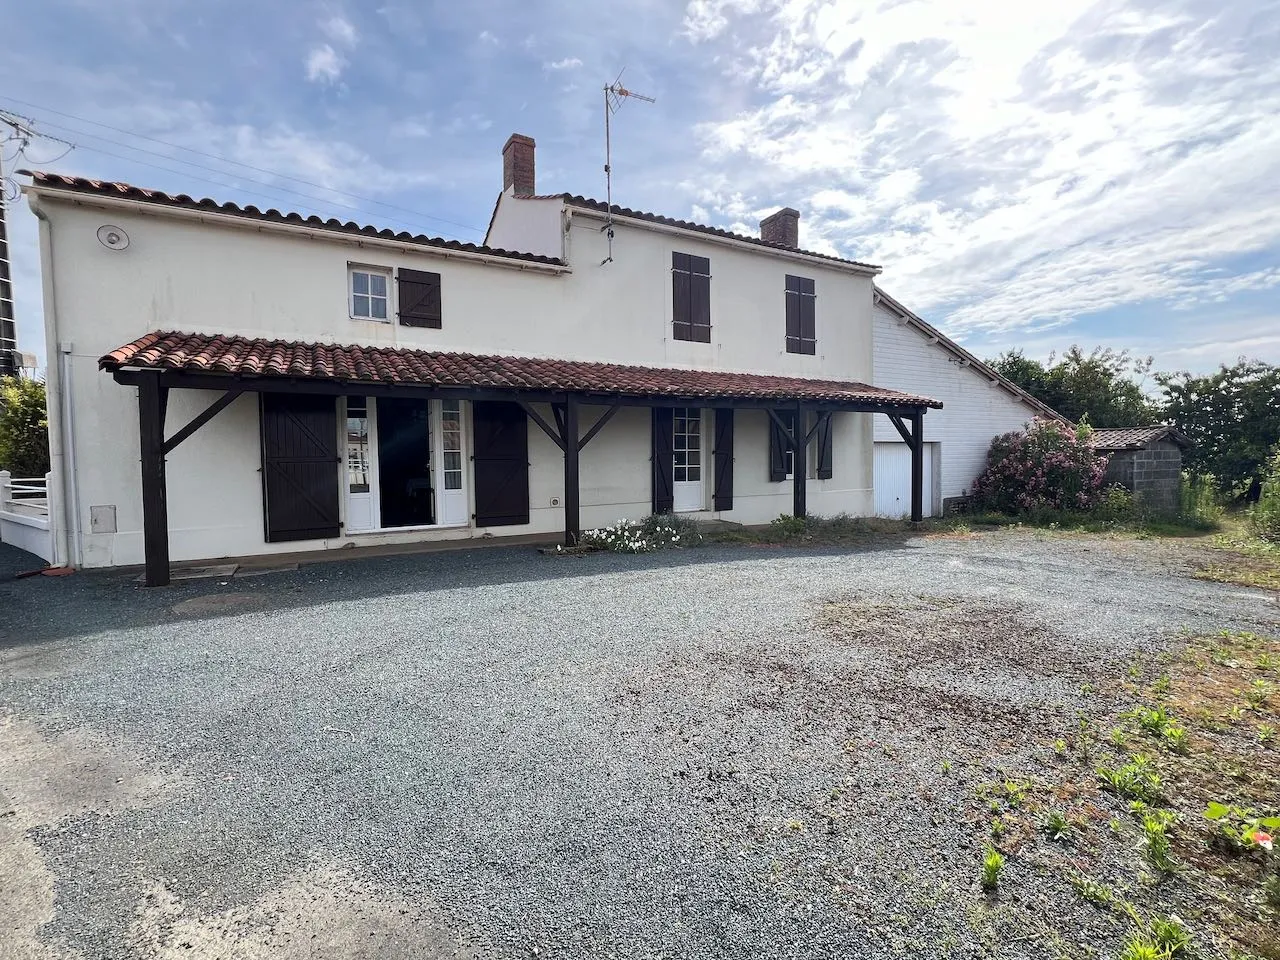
[{"x": 229, "y": 382}]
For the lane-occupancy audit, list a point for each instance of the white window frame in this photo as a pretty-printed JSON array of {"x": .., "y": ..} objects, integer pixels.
[{"x": 370, "y": 270}]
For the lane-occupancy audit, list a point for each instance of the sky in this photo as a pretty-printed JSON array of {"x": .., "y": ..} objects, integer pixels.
[{"x": 1030, "y": 175}]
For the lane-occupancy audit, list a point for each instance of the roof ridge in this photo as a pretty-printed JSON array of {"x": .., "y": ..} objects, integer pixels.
[
  {"x": 271, "y": 214},
  {"x": 578, "y": 200}
]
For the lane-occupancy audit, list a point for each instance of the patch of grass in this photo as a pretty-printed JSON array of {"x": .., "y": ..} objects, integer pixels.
[
  {"x": 1099, "y": 894},
  {"x": 1258, "y": 693},
  {"x": 1243, "y": 559}
]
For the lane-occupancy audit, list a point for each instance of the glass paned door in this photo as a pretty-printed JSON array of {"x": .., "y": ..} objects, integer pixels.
[
  {"x": 360, "y": 482},
  {"x": 686, "y": 443},
  {"x": 453, "y": 493}
]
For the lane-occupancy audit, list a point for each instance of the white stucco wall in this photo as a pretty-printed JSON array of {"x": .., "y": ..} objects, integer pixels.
[
  {"x": 206, "y": 277},
  {"x": 529, "y": 225},
  {"x": 974, "y": 410}
]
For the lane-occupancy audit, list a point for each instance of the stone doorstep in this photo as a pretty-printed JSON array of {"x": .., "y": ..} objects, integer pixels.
[
  {"x": 207, "y": 572},
  {"x": 264, "y": 571}
]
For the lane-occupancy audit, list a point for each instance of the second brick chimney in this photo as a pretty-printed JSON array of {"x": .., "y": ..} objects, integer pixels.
[
  {"x": 782, "y": 228},
  {"x": 517, "y": 165}
]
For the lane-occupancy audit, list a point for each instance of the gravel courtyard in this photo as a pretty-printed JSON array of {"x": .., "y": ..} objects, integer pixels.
[{"x": 717, "y": 752}]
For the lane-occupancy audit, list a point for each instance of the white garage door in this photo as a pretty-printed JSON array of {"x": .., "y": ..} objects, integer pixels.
[{"x": 893, "y": 480}]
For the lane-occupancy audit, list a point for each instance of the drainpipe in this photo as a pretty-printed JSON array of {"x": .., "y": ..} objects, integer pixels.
[{"x": 57, "y": 367}]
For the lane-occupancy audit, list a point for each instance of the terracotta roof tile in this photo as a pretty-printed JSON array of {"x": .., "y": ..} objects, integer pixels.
[
  {"x": 128, "y": 191},
  {"x": 1135, "y": 438},
  {"x": 241, "y": 356}
]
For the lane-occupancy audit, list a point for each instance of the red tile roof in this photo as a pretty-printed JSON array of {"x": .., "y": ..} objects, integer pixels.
[
  {"x": 601, "y": 207},
  {"x": 1135, "y": 438},
  {"x": 240, "y": 356},
  {"x": 127, "y": 191}
]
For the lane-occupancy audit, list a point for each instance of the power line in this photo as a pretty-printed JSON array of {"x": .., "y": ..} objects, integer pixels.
[{"x": 228, "y": 160}]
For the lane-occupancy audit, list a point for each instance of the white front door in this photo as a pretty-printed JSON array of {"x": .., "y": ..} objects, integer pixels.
[
  {"x": 361, "y": 483},
  {"x": 451, "y": 501},
  {"x": 443, "y": 449},
  {"x": 687, "y": 456}
]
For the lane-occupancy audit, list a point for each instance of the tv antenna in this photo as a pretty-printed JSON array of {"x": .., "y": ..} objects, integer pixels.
[{"x": 615, "y": 95}]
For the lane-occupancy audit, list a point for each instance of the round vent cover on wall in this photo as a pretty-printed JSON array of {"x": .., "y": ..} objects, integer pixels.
[{"x": 113, "y": 237}]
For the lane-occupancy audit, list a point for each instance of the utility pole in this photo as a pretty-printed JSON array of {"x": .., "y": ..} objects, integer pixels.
[
  {"x": 22, "y": 130},
  {"x": 9, "y": 359}
]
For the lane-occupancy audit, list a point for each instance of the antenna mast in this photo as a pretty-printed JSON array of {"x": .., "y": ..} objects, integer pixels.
[{"x": 615, "y": 95}]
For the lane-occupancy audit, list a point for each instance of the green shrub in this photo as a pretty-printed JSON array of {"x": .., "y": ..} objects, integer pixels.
[
  {"x": 1264, "y": 516},
  {"x": 656, "y": 532},
  {"x": 24, "y": 427},
  {"x": 1200, "y": 503},
  {"x": 1048, "y": 466}
]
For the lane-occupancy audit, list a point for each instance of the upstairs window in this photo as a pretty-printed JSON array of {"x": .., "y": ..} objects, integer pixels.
[
  {"x": 801, "y": 329},
  {"x": 691, "y": 298},
  {"x": 369, "y": 288}
]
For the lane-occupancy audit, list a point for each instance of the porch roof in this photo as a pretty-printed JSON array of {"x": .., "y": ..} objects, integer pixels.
[{"x": 237, "y": 357}]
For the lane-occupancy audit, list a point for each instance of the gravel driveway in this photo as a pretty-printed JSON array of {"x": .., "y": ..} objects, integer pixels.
[{"x": 723, "y": 752}]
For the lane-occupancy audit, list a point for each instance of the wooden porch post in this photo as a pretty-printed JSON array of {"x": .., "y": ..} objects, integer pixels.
[
  {"x": 917, "y": 465},
  {"x": 572, "y": 518},
  {"x": 799, "y": 468},
  {"x": 152, "y": 399}
]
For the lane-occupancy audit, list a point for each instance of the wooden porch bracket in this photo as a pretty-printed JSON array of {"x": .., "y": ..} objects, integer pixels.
[
  {"x": 914, "y": 439},
  {"x": 557, "y": 436},
  {"x": 595, "y": 427},
  {"x": 202, "y": 418}
]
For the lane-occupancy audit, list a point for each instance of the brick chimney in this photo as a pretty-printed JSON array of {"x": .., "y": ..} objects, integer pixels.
[
  {"x": 782, "y": 228},
  {"x": 517, "y": 164}
]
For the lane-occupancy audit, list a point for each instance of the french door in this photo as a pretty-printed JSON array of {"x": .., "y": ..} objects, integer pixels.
[
  {"x": 687, "y": 460},
  {"x": 405, "y": 464}
]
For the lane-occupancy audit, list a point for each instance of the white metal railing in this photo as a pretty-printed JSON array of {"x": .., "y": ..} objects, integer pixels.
[{"x": 26, "y": 517}]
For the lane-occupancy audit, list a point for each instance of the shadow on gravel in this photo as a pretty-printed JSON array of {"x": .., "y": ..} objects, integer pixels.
[{"x": 44, "y": 609}]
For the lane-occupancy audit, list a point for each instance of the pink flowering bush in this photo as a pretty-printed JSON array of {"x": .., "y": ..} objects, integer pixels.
[{"x": 1048, "y": 466}]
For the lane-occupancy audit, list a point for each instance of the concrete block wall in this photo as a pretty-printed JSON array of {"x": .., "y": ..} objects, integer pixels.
[{"x": 1157, "y": 475}]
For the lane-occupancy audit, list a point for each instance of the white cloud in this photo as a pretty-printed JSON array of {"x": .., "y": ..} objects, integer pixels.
[
  {"x": 568, "y": 63},
  {"x": 340, "y": 30},
  {"x": 1019, "y": 164},
  {"x": 487, "y": 37},
  {"x": 324, "y": 64}
]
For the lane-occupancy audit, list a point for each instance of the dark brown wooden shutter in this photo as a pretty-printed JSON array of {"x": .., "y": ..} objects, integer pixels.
[
  {"x": 722, "y": 498},
  {"x": 801, "y": 316},
  {"x": 501, "y": 443},
  {"x": 682, "y": 324},
  {"x": 778, "y": 446},
  {"x": 700, "y": 298},
  {"x": 663, "y": 461},
  {"x": 300, "y": 473},
  {"x": 418, "y": 293},
  {"x": 823, "y": 440}
]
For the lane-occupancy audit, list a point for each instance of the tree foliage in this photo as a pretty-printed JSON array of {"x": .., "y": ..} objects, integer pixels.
[
  {"x": 1046, "y": 466},
  {"x": 24, "y": 427},
  {"x": 1233, "y": 418},
  {"x": 1104, "y": 385}
]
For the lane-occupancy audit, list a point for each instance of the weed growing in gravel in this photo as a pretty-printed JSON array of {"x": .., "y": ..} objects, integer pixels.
[
  {"x": 1271, "y": 890},
  {"x": 1258, "y": 693},
  {"x": 1060, "y": 747},
  {"x": 1239, "y": 829},
  {"x": 1134, "y": 780},
  {"x": 1118, "y": 738},
  {"x": 1268, "y": 663},
  {"x": 1155, "y": 839},
  {"x": 1152, "y": 720},
  {"x": 946, "y": 766},
  {"x": 1177, "y": 739},
  {"x": 992, "y": 864},
  {"x": 997, "y": 827},
  {"x": 1266, "y": 734},
  {"x": 1015, "y": 792},
  {"x": 1162, "y": 686},
  {"x": 1099, "y": 894},
  {"x": 1057, "y": 826}
]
